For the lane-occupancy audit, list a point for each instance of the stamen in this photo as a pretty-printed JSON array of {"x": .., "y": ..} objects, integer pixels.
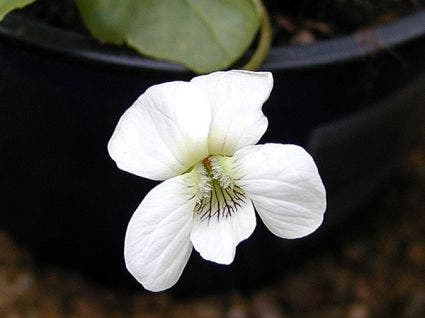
[
  {"x": 203, "y": 183},
  {"x": 219, "y": 171}
]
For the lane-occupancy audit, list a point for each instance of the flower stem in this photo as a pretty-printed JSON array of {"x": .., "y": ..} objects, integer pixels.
[{"x": 264, "y": 41}]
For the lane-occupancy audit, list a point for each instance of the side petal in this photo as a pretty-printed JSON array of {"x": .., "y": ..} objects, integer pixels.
[
  {"x": 285, "y": 187},
  {"x": 164, "y": 132},
  {"x": 157, "y": 243},
  {"x": 236, "y": 98},
  {"x": 216, "y": 236}
]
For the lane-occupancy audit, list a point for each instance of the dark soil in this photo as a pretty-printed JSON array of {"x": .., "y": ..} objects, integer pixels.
[
  {"x": 294, "y": 22},
  {"x": 376, "y": 272},
  {"x": 61, "y": 14},
  {"x": 306, "y": 21}
]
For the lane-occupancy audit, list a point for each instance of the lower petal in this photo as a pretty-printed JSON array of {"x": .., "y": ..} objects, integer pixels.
[
  {"x": 157, "y": 245},
  {"x": 285, "y": 187},
  {"x": 226, "y": 218}
]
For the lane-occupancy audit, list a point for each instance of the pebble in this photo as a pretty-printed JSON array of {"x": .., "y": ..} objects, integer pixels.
[
  {"x": 359, "y": 311},
  {"x": 416, "y": 254},
  {"x": 303, "y": 37},
  {"x": 285, "y": 23}
]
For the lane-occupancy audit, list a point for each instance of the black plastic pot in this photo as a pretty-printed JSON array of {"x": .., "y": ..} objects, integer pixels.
[{"x": 61, "y": 95}]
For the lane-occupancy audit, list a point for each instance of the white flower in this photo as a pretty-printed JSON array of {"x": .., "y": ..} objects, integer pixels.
[{"x": 200, "y": 137}]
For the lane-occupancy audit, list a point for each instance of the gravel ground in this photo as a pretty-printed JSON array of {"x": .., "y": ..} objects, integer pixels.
[{"x": 380, "y": 273}]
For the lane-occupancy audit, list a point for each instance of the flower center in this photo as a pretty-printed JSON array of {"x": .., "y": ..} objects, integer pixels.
[{"x": 217, "y": 194}]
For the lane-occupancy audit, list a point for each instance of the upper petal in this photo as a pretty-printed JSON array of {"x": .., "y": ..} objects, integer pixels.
[
  {"x": 164, "y": 132},
  {"x": 236, "y": 98},
  {"x": 285, "y": 187},
  {"x": 216, "y": 235},
  {"x": 157, "y": 243}
]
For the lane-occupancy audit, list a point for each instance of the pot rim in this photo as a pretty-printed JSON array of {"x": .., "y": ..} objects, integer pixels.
[{"x": 364, "y": 42}]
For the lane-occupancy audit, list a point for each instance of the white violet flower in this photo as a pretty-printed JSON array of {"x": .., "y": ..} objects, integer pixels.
[{"x": 200, "y": 137}]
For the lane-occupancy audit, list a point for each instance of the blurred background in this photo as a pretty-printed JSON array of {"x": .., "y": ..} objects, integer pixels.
[{"x": 349, "y": 87}]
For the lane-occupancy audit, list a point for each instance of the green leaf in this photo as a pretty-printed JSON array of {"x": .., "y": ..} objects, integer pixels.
[
  {"x": 204, "y": 35},
  {"x": 9, "y": 5}
]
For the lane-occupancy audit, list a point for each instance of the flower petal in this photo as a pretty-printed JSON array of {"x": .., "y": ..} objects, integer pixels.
[
  {"x": 157, "y": 243},
  {"x": 216, "y": 238},
  {"x": 164, "y": 132},
  {"x": 236, "y": 99},
  {"x": 285, "y": 187}
]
